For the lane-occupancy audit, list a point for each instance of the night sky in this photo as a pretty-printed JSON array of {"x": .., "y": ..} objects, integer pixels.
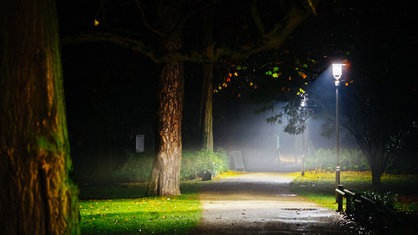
[{"x": 111, "y": 91}]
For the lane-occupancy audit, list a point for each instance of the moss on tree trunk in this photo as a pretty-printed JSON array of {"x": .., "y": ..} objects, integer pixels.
[{"x": 37, "y": 195}]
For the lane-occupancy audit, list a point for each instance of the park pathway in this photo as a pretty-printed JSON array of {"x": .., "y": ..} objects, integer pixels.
[{"x": 261, "y": 203}]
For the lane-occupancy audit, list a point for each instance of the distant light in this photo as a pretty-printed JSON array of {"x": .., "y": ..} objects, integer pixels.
[{"x": 304, "y": 101}]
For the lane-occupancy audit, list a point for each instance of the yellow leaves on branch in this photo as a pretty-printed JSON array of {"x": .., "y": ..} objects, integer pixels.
[
  {"x": 302, "y": 75},
  {"x": 226, "y": 81},
  {"x": 300, "y": 92}
]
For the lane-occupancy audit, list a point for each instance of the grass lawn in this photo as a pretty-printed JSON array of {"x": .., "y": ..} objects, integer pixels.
[{"x": 124, "y": 210}]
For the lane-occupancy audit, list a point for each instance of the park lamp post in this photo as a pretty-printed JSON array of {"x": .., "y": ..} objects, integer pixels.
[{"x": 337, "y": 73}]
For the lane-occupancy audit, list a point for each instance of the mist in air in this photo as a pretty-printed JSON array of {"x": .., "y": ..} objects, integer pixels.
[{"x": 264, "y": 146}]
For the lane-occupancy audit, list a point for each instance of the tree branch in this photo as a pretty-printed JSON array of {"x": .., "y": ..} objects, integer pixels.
[
  {"x": 213, "y": 52},
  {"x": 146, "y": 22},
  {"x": 129, "y": 43},
  {"x": 269, "y": 41},
  {"x": 256, "y": 16}
]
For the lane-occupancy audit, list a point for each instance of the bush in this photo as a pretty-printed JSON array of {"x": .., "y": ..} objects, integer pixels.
[
  {"x": 377, "y": 215},
  {"x": 326, "y": 159},
  {"x": 138, "y": 166},
  {"x": 322, "y": 159},
  {"x": 196, "y": 162}
]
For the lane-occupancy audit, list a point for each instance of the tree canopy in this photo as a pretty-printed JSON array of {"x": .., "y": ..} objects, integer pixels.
[
  {"x": 241, "y": 28},
  {"x": 378, "y": 44}
]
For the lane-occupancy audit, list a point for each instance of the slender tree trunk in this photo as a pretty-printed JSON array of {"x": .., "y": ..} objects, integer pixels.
[
  {"x": 37, "y": 195},
  {"x": 165, "y": 178},
  {"x": 207, "y": 87},
  {"x": 207, "y": 110}
]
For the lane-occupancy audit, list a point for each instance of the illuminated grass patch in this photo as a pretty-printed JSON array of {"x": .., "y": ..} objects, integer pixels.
[
  {"x": 146, "y": 215},
  {"x": 228, "y": 174},
  {"x": 115, "y": 202}
]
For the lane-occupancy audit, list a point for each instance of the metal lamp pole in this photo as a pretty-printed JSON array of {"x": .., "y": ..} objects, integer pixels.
[{"x": 336, "y": 73}]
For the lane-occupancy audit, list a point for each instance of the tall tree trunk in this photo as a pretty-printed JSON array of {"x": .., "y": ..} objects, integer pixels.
[
  {"x": 207, "y": 87},
  {"x": 377, "y": 168},
  {"x": 376, "y": 176},
  {"x": 165, "y": 178},
  {"x": 37, "y": 195},
  {"x": 207, "y": 109}
]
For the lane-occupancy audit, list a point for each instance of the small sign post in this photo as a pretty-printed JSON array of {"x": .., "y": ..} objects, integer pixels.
[{"x": 139, "y": 146}]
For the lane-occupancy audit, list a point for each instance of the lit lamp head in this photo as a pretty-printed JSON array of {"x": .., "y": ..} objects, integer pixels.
[{"x": 337, "y": 71}]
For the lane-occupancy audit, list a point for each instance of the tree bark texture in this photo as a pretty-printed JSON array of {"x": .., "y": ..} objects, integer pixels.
[
  {"x": 165, "y": 178},
  {"x": 37, "y": 195},
  {"x": 207, "y": 110}
]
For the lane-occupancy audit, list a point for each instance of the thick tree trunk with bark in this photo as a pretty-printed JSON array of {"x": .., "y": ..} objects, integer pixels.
[
  {"x": 37, "y": 195},
  {"x": 165, "y": 178}
]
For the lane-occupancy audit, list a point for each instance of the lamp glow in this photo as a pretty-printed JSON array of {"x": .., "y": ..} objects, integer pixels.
[{"x": 337, "y": 72}]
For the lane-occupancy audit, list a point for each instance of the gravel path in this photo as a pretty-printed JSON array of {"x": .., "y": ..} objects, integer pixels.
[{"x": 261, "y": 203}]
